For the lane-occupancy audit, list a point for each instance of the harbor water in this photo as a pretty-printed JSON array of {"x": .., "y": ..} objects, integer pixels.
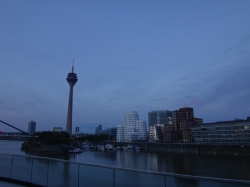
[{"x": 231, "y": 167}]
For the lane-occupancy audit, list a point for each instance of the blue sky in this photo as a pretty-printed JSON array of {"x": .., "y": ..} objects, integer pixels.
[{"x": 129, "y": 55}]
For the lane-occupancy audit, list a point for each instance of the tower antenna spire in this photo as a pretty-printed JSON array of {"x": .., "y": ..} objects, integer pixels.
[{"x": 73, "y": 66}]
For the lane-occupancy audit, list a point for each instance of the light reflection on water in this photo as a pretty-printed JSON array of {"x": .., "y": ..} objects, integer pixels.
[{"x": 234, "y": 167}]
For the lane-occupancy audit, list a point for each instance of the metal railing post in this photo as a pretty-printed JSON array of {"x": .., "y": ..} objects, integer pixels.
[
  {"x": 113, "y": 177},
  {"x": 48, "y": 174},
  {"x": 31, "y": 171},
  {"x": 78, "y": 175},
  {"x": 165, "y": 180},
  {"x": 11, "y": 165}
]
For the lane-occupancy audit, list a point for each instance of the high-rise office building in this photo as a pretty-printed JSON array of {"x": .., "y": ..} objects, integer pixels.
[
  {"x": 159, "y": 117},
  {"x": 98, "y": 129},
  {"x": 77, "y": 130},
  {"x": 110, "y": 132},
  {"x": 31, "y": 127},
  {"x": 71, "y": 79}
]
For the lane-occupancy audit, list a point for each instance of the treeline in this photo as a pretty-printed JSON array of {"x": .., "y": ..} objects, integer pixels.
[
  {"x": 48, "y": 137},
  {"x": 44, "y": 140}
]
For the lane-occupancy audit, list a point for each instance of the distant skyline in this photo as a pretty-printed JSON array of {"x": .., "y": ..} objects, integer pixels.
[{"x": 129, "y": 55}]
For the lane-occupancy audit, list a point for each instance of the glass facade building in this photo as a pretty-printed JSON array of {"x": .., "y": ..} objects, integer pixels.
[
  {"x": 159, "y": 117},
  {"x": 225, "y": 131},
  {"x": 111, "y": 132},
  {"x": 32, "y": 127},
  {"x": 98, "y": 129}
]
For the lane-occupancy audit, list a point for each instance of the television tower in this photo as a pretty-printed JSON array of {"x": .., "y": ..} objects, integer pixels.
[{"x": 71, "y": 79}]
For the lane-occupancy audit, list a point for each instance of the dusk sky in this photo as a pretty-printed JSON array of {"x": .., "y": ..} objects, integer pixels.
[{"x": 137, "y": 55}]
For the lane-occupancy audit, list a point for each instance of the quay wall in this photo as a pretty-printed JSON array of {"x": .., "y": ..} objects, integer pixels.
[
  {"x": 19, "y": 138},
  {"x": 202, "y": 148}
]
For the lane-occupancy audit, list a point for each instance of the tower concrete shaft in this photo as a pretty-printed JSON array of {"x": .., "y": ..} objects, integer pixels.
[{"x": 71, "y": 79}]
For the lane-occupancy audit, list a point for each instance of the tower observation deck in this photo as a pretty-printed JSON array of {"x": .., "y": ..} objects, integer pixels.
[{"x": 71, "y": 79}]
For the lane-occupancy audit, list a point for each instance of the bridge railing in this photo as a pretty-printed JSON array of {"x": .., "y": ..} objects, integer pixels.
[{"x": 53, "y": 172}]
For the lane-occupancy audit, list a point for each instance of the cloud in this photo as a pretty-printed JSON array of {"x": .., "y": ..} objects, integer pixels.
[
  {"x": 243, "y": 43},
  {"x": 193, "y": 102},
  {"x": 230, "y": 96}
]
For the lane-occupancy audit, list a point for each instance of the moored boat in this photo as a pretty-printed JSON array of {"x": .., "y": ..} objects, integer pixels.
[
  {"x": 76, "y": 150},
  {"x": 109, "y": 147},
  {"x": 138, "y": 148},
  {"x": 129, "y": 146},
  {"x": 100, "y": 147}
]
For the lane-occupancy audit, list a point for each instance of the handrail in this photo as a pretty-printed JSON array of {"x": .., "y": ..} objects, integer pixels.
[{"x": 235, "y": 181}]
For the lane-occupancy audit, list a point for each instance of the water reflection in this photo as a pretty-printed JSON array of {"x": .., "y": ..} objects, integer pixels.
[
  {"x": 62, "y": 174},
  {"x": 183, "y": 164},
  {"x": 11, "y": 147},
  {"x": 234, "y": 167}
]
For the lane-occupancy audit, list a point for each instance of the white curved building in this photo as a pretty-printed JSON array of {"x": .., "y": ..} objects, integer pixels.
[
  {"x": 141, "y": 129},
  {"x": 130, "y": 125},
  {"x": 133, "y": 128},
  {"x": 120, "y": 133}
]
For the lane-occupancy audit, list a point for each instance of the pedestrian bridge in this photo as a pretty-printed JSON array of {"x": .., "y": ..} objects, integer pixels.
[{"x": 41, "y": 171}]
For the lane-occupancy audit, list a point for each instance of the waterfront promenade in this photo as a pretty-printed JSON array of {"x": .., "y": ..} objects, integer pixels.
[{"x": 40, "y": 171}]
